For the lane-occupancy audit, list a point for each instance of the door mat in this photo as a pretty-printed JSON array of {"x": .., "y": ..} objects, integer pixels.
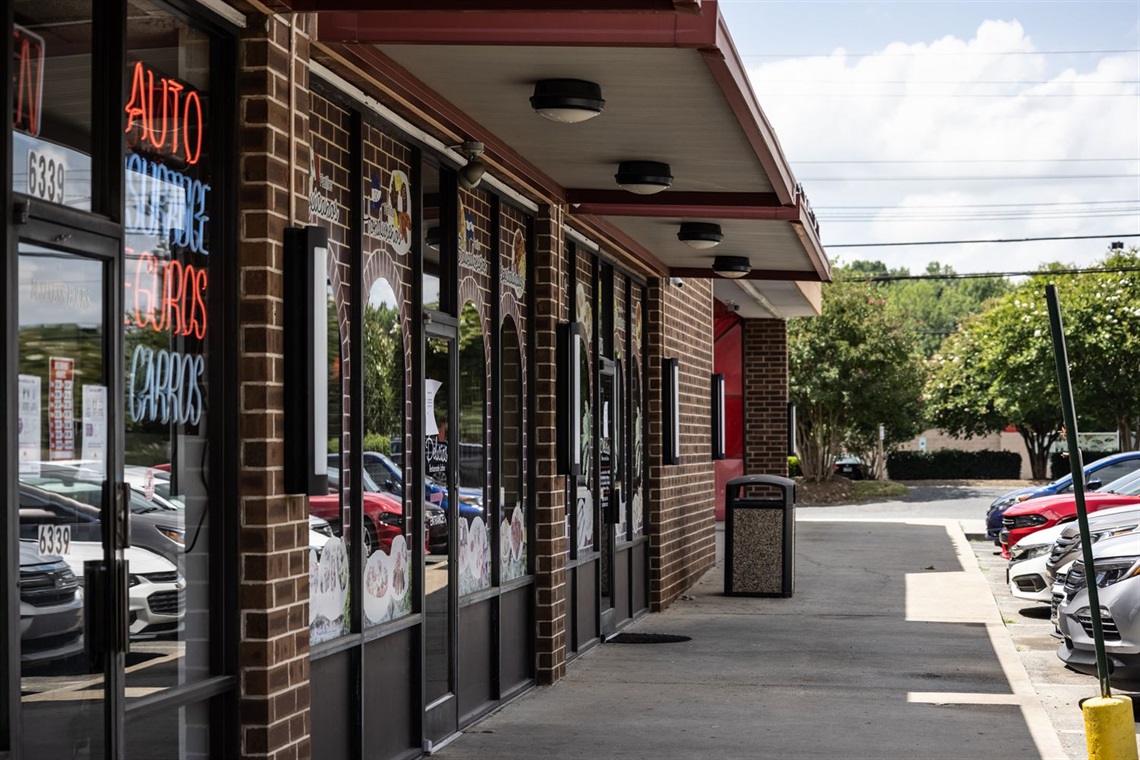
[{"x": 648, "y": 638}]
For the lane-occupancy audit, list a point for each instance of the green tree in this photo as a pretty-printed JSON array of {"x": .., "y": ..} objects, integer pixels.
[
  {"x": 851, "y": 369},
  {"x": 998, "y": 370},
  {"x": 1101, "y": 312}
]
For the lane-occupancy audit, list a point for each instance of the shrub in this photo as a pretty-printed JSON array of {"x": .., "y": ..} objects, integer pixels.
[
  {"x": 950, "y": 464},
  {"x": 1059, "y": 463},
  {"x": 794, "y": 467},
  {"x": 378, "y": 442}
]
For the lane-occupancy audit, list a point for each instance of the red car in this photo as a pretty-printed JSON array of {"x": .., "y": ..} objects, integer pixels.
[{"x": 1035, "y": 514}]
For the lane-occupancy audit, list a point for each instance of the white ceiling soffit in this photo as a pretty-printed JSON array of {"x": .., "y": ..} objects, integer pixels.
[{"x": 767, "y": 299}]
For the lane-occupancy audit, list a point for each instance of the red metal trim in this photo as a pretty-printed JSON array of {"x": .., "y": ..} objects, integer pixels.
[
  {"x": 539, "y": 28},
  {"x": 759, "y": 206},
  {"x": 706, "y": 273},
  {"x": 429, "y": 105}
]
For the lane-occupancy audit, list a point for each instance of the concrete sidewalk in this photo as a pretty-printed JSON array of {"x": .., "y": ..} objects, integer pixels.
[{"x": 893, "y": 647}]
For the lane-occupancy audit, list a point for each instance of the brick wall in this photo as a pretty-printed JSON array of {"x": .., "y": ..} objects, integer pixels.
[
  {"x": 273, "y": 577},
  {"x": 765, "y": 397},
  {"x": 681, "y": 509},
  {"x": 550, "y": 488}
]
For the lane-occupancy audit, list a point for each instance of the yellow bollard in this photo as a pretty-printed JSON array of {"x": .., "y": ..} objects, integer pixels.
[{"x": 1109, "y": 729}]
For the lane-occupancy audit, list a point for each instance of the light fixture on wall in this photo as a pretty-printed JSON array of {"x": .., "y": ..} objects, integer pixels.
[
  {"x": 718, "y": 419},
  {"x": 569, "y": 389},
  {"x": 472, "y": 173},
  {"x": 306, "y": 369},
  {"x": 644, "y": 177},
  {"x": 567, "y": 101},
  {"x": 671, "y": 411},
  {"x": 700, "y": 235},
  {"x": 732, "y": 267}
]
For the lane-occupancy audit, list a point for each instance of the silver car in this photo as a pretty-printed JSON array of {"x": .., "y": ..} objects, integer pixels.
[
  {"x": 1117, "y": 571},
  {"x": 1107, "y": 523}
]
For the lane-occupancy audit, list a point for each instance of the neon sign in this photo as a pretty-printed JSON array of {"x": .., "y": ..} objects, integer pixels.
[
  {"x": 28, "y": 48},
  {"x": 169, "y": 295},
  {"x": 178, "y": 132},
  {"x": 162, "y": 201},
  {"x": 165, "y": 386}
]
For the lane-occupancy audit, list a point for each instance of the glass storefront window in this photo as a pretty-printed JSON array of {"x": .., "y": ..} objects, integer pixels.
[
  {"x": 474, "y": 538},
  {"x": 388, "y": 562},
  {"x": 167, "y": 344},
  {"x": 513, "y": 525},
  {"x": 51, "y": 107},
  {"x": 637, "y": 403}
]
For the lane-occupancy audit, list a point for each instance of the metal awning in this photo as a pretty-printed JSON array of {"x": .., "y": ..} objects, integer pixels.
[{"x": 676, "y": 91}]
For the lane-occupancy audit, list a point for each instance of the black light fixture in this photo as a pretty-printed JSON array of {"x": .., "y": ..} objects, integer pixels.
[
  {"x": 306, "y": 368},
  {"x": 718, "y": 418},
  {"x": 700, "y": 235},
  {"x": 671, "y": 411},
  {"x": 567, "y": 101},
  {"x": 644, "y": 177},
  {"x": 732, "y": 267},
  {"x": 472, "y": 174}
]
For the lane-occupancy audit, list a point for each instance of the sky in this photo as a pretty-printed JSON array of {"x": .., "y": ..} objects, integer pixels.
[{"x": 890, "y": 112}]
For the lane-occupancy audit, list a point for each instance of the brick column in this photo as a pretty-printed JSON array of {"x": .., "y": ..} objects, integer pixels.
[
  {"x": 273, "y": 541},
  {"x": 550, "y": 488},
  {"x": 681, "y": 510},
  {"x": 766, "y": 397}
]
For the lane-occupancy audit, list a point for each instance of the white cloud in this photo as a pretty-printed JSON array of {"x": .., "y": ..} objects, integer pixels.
[{"x": 948, "y": 100}]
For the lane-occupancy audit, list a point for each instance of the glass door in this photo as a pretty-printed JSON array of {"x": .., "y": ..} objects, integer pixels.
[
  {"x": 441, "y": 718},
  {"x": 609, "y": 485},
  {"x": 66, "y": 542}
]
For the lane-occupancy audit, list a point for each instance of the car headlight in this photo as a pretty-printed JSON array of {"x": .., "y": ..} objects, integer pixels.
[
  {"x": 176, "y": 535},
  {"x": 1029, "y": 521},
  {"x": 1114, "y": 532},
  {"x": 1029, "y": 552},
  {"x": 392, "y": 518},
  {"x": 1115, "y": 570},
  {"x": 325, "y": 530},
  {"x": 133, "y": 580}
]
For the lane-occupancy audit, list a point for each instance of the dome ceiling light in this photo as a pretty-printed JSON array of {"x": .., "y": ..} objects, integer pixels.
[
  {"x": 700, "y": 235},
  {"x": 732, "y": 267},
  {"x": 567, "y": 101},
  {"x": 644, "y": 177}
]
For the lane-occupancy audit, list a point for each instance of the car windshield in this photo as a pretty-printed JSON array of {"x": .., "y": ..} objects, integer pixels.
[
  {"x": 1129, "y": 485},
  {"x": 369, "y": 484}
]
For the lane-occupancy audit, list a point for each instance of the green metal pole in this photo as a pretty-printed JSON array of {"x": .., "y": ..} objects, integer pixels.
[{"x": 1064, "y": 382}]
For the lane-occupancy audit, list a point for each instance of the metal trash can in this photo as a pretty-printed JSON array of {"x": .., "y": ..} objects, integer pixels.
[{"x": 759, "y": 538}]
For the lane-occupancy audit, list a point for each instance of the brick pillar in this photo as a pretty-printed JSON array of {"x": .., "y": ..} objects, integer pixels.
[
  {"x": 550, "y": 488},
  {"x": 273, "y": 565},
  {"x": 681, "y": 510},
  {"x": 766, "y": 397}
]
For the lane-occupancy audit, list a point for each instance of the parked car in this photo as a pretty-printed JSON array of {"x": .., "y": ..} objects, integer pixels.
[
  {"x": 1026, "y": 574},
  {"x": 389, "y": 477},
  {"x": 1108, "y": 523},
  {"x": 51, "y": 607},
  {"x": 1097, "y": 473},
  {"x": 156, "y": 593},
  {"x": 849, "y": 467},
  {"x": 156, "y": 524},
  {"x": 319, "y": 533},
  {"x": 1116, "y": 566},
  {"x": 1036, "y": 514}
]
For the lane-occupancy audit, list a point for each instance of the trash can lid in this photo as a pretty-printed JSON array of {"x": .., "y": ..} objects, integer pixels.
[{"x": 762, "y": 480}]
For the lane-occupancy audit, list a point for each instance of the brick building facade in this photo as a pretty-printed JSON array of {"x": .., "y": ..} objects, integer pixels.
[{"x": 488, "y": 489}]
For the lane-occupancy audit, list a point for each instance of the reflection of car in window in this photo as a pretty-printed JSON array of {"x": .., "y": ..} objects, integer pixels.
[{"x": 51, "y": 607}]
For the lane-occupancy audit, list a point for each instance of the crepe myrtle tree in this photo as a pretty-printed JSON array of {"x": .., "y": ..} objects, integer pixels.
[
  {"x": 851, "y": 369},
  {"x": 997, "y": 370}
]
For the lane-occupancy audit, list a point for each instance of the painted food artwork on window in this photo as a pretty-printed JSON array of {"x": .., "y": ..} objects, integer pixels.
[
  {"x": 328, "y": 590},
  {"x": 387, "y": 583},
  {"x": 474, "y": 555},
  {"x": 512, "y": 535},
  {"x": 638, "y": 447},
  {"x": 585, "y": 511}
]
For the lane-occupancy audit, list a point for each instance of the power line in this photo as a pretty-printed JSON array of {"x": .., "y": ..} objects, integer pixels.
[
  {"x": 990, "y": 205},
  {"x": 978, "y": 178},
  {"x": 829, "y": 54},
  {"x": 973, "y": 242},
  {"x": 1008, "y": 96},
  {"x": 989, "y": 275},
  {"x": 761, "y": 80},
  {"x": 964, "y": 160}
]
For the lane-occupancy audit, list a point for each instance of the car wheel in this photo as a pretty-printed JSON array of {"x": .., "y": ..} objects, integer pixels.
[{"x": 370, "y": 543}]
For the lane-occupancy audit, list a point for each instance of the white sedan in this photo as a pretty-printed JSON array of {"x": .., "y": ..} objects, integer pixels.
[{"x": 1026, "y": 575}]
